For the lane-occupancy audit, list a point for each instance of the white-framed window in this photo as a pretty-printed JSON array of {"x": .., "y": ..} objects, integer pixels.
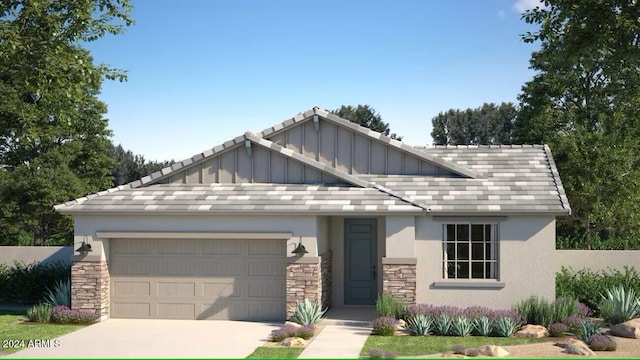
[{"x": 470, "y": 251}]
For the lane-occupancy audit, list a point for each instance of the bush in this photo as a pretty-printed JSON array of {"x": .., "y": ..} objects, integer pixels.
[
  {"x": 574, "y": 323},
  {"x": 601, "y": 342},
  {"x": 64, "y": 315},
  {"x": 388, "y": 306},
  {"x": 306, "y": 331},
  {"x": 619, "y": 305},
  {"x": 289, "y": 330},
  {"x": 461, "y": 326},
  {"x": 419, "y": 324},
  {"x": 39, "y": 313},
  {"x": 61, "y": 294},
  {"x": 558, "y": 329},
  {"x": 307, "y": 312},
  {"x": 385, "y": 326},
  {"x": 483, "y": 326},
  {"x": 588, "y": 329},
  {"x": 506, "y": 326},
  {"x": 27, "y": 284},
  {"x": 539, "y": 311},
  {"x": 586, "y": 285}
]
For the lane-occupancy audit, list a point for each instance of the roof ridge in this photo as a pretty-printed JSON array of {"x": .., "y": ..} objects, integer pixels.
[{"x": 557, "y": 182}]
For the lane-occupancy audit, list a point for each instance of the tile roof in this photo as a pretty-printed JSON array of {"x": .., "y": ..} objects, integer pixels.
[
  {"x": 495, "y": 179},
  {"x": 239, "y": 198}
]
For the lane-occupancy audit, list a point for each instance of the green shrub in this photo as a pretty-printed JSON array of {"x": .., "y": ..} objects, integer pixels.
[
  {"x": 61, "y": 294},
  {"x": 586, "y": 285},
  {"x": 442, "y": 325},
  {"x": 483, "y": 326},
  {"x": 64, "y": 315},
  {"x": 601, "y": 342},
  {"x": 558, "y": 329},
  {"x": 588, "y": 329},
  {"x": 387, "y": 305},
  {"x": 506, "y": 326},
  {"x": 385, "y": 326},
  {"x": 619, "y": 305},
  {"x": 420, "y": 324},
  {"x": 461, "y": 326},
  {"x": 307, "y": 312},
  {"x": 27, "y": 284},
  {"x": 39, "y": 313},
  {"x": 539, "y": 311}
]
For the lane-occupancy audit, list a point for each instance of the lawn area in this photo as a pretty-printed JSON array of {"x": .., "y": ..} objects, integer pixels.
[
  {"x": 11, "y": 329},
  {"x": 275, "y": 352},
  {"x": 422, "y": 345}
]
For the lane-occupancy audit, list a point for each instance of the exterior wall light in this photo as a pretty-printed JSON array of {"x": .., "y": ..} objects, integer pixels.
[
  {"x": 300, "y": 250},
  {"x": 85, "y": 248}
]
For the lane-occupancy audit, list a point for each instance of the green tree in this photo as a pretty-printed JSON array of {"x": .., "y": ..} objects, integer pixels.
[
  {"x": 130, "y": 167},
  {"x": 486, "y": 125},
  {"x": 365, "y": 115},
  {"x": 53, "y": 136},
  {"x": 584, "y": 101}
]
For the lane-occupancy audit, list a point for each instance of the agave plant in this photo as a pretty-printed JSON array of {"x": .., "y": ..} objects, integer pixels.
[
  {"x": 60, "y": 295},
  {"x": 588, "y": 329},
  {"x": 306, "y": 312},
  {"x": 442, "y": 325},
  {"x": 619, "y": 305},
  {"x": 461, "y": 326},
  {"x": 420, "y": 324},
  {"x": 483, "y": 326},
  {"x": 506, "y": 326}
]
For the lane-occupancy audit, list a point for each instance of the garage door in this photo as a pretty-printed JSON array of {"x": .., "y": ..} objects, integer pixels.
[{"x": 198, "y": 279}]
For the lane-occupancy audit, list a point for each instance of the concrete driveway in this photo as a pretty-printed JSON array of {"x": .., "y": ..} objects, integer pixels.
[{"x": 127, "y": 338}]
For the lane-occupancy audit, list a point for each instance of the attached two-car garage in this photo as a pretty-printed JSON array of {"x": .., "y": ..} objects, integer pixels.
[{"x": 189, "y": 278}]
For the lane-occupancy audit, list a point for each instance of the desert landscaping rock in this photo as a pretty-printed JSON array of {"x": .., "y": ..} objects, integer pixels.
[
  {"x": 533, "y": 331},
  {"x": 628, "y": 329},
  {"x": 294, "y": 342},
  {"x": 575, "y": 347},
  {"x": 493, "y": 351},
  {"x": 291, "y": 323}
]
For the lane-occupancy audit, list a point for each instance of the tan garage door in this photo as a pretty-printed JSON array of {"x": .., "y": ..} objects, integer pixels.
[{"x": 198, "y": 279}]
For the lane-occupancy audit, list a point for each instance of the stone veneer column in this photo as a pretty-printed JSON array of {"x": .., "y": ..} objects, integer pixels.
[
  {"x": 309, "y": 277},
  {"x": 399, "y": 278},
  {"x": 90, "y": 285},
  {"x": 325, "y": 274}
]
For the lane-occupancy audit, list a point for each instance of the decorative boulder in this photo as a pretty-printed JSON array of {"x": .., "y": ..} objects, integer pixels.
[
  {"x": 628, "y": 329},
  {"x": 575, "y": 347},
  {"x": 294, "y": 341},
  {"x": 493, "y": 351},
  {"x": 291, "y": 323},
  {"x": 532, "y": 331},
  {"x": 401, "y": 324}
]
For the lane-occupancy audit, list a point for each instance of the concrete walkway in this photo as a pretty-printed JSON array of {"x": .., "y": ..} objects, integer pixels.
[{"x": 345, "y": 331}]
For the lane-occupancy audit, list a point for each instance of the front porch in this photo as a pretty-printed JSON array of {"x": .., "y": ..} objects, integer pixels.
[{"x": 352, "y": 260}]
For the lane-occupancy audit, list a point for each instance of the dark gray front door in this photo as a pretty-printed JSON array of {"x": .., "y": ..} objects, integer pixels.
[{"x": 360, "y": 260}]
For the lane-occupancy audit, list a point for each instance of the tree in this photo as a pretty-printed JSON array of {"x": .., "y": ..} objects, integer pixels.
[
  {"x": 584, "y": 102},
  {"x": 486, "y": 125},
  {"x": 53, "y": 136},
  {"x": 365, "y": 115},
  {"x": 129, "y": 167}
]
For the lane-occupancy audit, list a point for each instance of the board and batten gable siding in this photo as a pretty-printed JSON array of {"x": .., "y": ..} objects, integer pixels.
[
  {"x": 235, "y": 166},
  {"x": 352, "y": 152}
]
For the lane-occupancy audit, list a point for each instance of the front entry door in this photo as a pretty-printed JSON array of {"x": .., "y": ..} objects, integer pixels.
[{"x": 360, "y": 260}]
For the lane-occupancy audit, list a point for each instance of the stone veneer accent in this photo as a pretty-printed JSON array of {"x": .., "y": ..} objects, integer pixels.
[
  {"x": 399, "y": 280},
  {"x": 310, "y": 278},
  {"x": 325, "y": 273},
  {"x": 90, "y": 287}
]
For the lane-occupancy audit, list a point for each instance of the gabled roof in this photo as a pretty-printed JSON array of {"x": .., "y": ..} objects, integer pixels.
[{"x": 495, "y": 179}]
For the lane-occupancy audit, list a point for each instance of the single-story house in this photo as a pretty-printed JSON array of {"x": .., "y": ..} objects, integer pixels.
[{"x": 219, "y": 235}]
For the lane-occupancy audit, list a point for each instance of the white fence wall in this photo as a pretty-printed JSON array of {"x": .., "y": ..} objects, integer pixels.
[
  {"x": 30, "y": 254},
  {"x": 597, "y": 260}
]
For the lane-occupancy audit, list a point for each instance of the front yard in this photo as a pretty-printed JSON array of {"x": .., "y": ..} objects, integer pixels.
[{"x": 423, "y": 345}]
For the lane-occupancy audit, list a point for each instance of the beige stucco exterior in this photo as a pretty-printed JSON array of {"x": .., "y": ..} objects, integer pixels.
[
  {"x": 526, "y": 263},
  {"x": 597, "y": 260}
]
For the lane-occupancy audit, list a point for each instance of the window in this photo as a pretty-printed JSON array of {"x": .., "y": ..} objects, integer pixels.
[{"x": 470, "y": 251}]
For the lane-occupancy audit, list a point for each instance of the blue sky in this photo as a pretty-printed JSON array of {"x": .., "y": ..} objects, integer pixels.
[{"x": 203, "y": 72}]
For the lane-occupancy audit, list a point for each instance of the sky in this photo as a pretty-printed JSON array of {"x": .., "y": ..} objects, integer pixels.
[{"x": 201, "y": 72}]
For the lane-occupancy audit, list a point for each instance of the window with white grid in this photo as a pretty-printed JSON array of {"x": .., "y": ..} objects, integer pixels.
[{"x": 470, "y": 251}]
